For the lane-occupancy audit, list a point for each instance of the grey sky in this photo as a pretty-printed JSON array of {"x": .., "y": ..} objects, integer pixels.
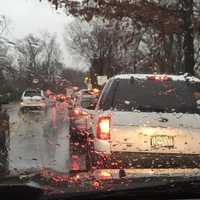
[{"x": 32, "y": 16}]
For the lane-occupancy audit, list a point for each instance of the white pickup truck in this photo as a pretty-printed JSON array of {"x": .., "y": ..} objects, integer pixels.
[{"x": 146, "y": 120}]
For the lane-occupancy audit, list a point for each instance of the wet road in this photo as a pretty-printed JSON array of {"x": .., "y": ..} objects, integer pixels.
[{"x": 35, "y": 143}]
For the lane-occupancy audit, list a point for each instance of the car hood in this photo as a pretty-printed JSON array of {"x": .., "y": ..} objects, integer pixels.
[{"x": 78, "y": 185}]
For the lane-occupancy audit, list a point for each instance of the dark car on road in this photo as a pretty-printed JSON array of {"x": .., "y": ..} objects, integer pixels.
[
  {"x": 4, "y": 140},
  {"x": 80, "y": 116}
]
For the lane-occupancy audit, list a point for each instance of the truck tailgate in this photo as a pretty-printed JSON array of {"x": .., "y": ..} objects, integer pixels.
[{"x": 155, "y": 132}]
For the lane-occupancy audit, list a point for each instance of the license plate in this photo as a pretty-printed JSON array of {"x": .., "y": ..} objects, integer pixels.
[{"x": 162, "y": 141}]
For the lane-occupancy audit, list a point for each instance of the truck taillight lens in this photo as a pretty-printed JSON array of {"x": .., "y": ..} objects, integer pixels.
[{"x": 103, "y": 128}]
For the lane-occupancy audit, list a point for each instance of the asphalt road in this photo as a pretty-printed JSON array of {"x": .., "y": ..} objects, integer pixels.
[{"x": 37, "y": 143}]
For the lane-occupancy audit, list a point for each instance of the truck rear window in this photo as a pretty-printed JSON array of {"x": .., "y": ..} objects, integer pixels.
[{"x": 156, "y": 96}]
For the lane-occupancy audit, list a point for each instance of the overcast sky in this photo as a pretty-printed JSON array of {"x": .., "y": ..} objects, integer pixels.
[{"x": 32, "y": 16}]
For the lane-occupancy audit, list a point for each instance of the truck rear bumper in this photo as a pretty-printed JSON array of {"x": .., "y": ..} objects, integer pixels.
[{"x": 149, "y": 160}]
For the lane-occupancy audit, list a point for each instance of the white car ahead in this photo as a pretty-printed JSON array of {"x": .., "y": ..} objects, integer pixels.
[
  {"x": 33, "y": 99},
  {"x": 147, "y": 120}
]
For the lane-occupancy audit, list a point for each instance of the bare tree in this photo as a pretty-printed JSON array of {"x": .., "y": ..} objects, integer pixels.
[
  {"x": 161, "y": 15},
  {"x": 110, "y": 46},
  {"x": 3, "y": 24},
  {"x": 29, "y": 49},
  {"x": 3, "y": 47},
  {"x": 50, "y": 57},
  {"x": 96, "y": 43},
  {"x": 7, "y": 72},
  {"x": 39, "y": 57}
]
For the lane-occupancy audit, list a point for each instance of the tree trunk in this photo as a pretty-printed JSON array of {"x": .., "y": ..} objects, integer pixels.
[
  {"x": 179, "y": 68},
  {"x": 188, "y": 45}
]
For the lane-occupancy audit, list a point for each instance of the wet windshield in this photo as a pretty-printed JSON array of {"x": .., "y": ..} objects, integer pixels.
[{"x": 99, "y": 94}]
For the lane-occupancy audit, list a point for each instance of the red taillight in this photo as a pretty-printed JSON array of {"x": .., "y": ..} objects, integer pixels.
[
  {"x": 77, "y": 111},
  {"x": 103, "y": 128}
]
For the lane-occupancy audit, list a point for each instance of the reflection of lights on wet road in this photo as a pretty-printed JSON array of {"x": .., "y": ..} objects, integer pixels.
[
  {"x": 75, "y": 163},
  {"x": 103, "y": 174},
  {"x": 53, "y": 115},
  {"x": 58, "y": 112},
  {"x": 33, "y": 142},
  {"x": 96, "y": 184}
]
